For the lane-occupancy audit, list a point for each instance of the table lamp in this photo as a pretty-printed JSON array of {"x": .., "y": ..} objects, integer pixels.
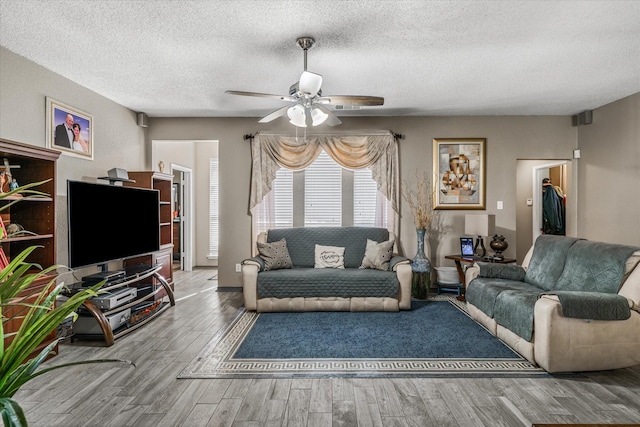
[{"x": 479, "y": 225}]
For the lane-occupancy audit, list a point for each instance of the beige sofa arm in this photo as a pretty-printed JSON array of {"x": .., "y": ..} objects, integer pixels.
[
  {"x": 404, "y": 273},
  {"x": 250, "y": 285},
  {"x": 564, "y": 344},
  {"x": 471, "y": 273}
]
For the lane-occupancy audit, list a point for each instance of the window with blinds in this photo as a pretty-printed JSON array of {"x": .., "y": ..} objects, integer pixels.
[
  {"x": 213, "y": 208},
  {"x": 283, "y": 203},
  {"x": 320, "y": 193},
  {"x": 323, "y": 193}
]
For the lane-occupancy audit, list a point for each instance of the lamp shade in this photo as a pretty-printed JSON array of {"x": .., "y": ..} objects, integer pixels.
[
  {"x": 310, "y": 83},
  {"x": 479, "y": 224},
  {"x": 318, "y": 116},
  {"x": 297, "y": 116}
]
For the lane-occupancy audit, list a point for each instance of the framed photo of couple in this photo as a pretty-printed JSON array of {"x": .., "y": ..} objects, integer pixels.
[{"x": 69, "y": 130}]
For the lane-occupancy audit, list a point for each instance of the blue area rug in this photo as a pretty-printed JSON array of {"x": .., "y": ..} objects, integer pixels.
[
  {"x": 429, "y": 330},
  {"x": 435, "y": 338}
]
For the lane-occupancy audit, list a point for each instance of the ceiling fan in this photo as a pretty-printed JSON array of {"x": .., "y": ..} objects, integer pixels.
[{"x": 309, "y": 105}]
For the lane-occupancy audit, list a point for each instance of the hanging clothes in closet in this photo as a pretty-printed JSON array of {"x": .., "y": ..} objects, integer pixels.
[{"x": 553, "y": 209}]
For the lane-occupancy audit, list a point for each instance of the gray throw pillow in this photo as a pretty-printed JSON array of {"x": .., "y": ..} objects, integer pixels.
[
  {"x": 275, "y": 255},
  {"x": 377, "y": 255}
]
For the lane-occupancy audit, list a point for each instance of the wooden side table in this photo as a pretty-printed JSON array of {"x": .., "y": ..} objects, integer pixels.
[{"x": 459, "y": 259}]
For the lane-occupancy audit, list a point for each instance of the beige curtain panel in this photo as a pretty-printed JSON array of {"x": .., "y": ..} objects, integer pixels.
[{"x": 377, "y": 150}]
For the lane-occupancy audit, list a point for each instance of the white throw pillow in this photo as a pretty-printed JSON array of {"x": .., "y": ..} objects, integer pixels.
[
  {"x": 377, "y": 255},
  {"x": 329, "y": 257}
]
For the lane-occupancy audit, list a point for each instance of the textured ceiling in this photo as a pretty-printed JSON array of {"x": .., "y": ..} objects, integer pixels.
[{"x": 176, "y": 58}]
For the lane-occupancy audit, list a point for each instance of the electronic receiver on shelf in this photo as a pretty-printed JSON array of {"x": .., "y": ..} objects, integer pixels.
[
  {"x": 115, "y": 298},
  {"x": 87, "y": 324},
  {"x": 114, "y": 276}
]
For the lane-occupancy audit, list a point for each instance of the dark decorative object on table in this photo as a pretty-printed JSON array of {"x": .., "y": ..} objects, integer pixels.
[
  {"x": 421, "y": 266},
  {"x": 499, "y": 245}
]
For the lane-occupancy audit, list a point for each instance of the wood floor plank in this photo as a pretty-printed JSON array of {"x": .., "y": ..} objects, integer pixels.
[
  {"x": 439, "y": 413},
  {"x": 320, "y": 419},
  {"x": 200, "y": 415},
  {"x": 149, "y": 420},
  {"x": 272, "y": 412},
  {"x": 367, "y": 411},
  {"x": 388, "y": 399},
  {"x": 344, "y": 413},
  {"x": 342, "y": 389},
  {"x": 181, "y": 407},
  {"x": 459, "y": 406},
  {"x": 225, "y": 412},
  {"x": 321, "y": 395},
  {"x": 238, "y": 388},
  {"x": 253, "y": 402},
  {"x": 216, "y": 390},
  {"x": 297, "y": 410},
  {"x": 280, "y": 389},
  {"x": 125, "y": 416}
]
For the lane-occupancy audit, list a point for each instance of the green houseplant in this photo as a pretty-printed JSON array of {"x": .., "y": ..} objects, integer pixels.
[{"x": 40, "y": 316}]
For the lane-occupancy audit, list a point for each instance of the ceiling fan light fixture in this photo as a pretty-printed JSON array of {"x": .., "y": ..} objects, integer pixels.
[
  {"x": 297, "y": 116},
  {"x": 318, "y": 116},
  {"x": 310, "y": 83}
]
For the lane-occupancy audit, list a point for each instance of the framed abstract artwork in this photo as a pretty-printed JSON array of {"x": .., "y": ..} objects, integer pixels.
[
  {"x": 459, "y": 164},
  {"x": 69, "y": 130}
]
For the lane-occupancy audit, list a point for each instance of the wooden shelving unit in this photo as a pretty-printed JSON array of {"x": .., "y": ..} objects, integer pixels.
[
  {"x": 163, "y": 183},
  {"x": 36, "y": 214}
]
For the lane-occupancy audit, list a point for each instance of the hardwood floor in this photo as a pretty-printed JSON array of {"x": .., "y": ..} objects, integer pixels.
[{"x": 150, "y": 394}]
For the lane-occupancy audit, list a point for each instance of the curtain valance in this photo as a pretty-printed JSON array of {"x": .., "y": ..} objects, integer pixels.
[{"x": 375, "y": 150}]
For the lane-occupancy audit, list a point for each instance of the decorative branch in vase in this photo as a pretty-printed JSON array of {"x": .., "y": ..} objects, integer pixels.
[{"x": 420, "y": 201}]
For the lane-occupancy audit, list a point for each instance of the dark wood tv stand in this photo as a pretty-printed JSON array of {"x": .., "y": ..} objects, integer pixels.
[{"x": 134, "y": 277}]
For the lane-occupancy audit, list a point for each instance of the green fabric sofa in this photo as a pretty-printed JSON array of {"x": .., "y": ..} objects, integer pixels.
[
  {"x": 574, "y": 304},
  {"x": 305, "y": 288}
]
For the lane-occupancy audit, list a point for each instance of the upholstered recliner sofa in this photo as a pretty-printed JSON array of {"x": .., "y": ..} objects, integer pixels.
[
  {"x": 573, "y": 305},
  {"x": 301, "y": 287}
]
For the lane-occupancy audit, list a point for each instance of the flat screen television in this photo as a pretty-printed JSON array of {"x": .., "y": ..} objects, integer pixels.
[{"x": 110, "y": 222}]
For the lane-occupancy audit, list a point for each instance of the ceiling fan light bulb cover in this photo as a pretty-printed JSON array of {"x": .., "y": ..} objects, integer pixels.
[
  {"x": 310, "y": 83},
  {"x": 297, "y": 116},
  {"x": 318, "y": 116}
]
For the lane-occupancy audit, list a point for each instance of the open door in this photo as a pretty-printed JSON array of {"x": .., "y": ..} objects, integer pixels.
[{"x": 183, "y": 217}]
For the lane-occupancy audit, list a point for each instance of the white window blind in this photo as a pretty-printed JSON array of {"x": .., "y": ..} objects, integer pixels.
[
  {"x": 364, "y": 198},
  {"x": 276, "y": 210},
  {"x": 323, "y": 193},
  {"x": 213, "y": 208}
]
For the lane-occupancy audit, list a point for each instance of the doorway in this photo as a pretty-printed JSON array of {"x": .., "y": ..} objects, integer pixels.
[
  {"x": 556, "y": 172},
  {"x": 529, "y": 175},
  {"x": 182, "y": 218}
]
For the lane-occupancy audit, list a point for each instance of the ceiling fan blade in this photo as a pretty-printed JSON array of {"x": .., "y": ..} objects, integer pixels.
[
  {"x": 332, "y": 120},
  {"x": 274, "y": 115},
  {"x": 261, "y": 95},
  {"x": 351, "y": 100},
  {"x": 310, "y": 83}
]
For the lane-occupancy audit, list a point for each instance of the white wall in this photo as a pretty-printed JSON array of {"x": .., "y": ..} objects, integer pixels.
[{"x": 609, "y": 173}]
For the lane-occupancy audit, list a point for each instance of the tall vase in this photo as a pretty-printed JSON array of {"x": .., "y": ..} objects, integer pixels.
[{"x": 421, "y": 267}]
